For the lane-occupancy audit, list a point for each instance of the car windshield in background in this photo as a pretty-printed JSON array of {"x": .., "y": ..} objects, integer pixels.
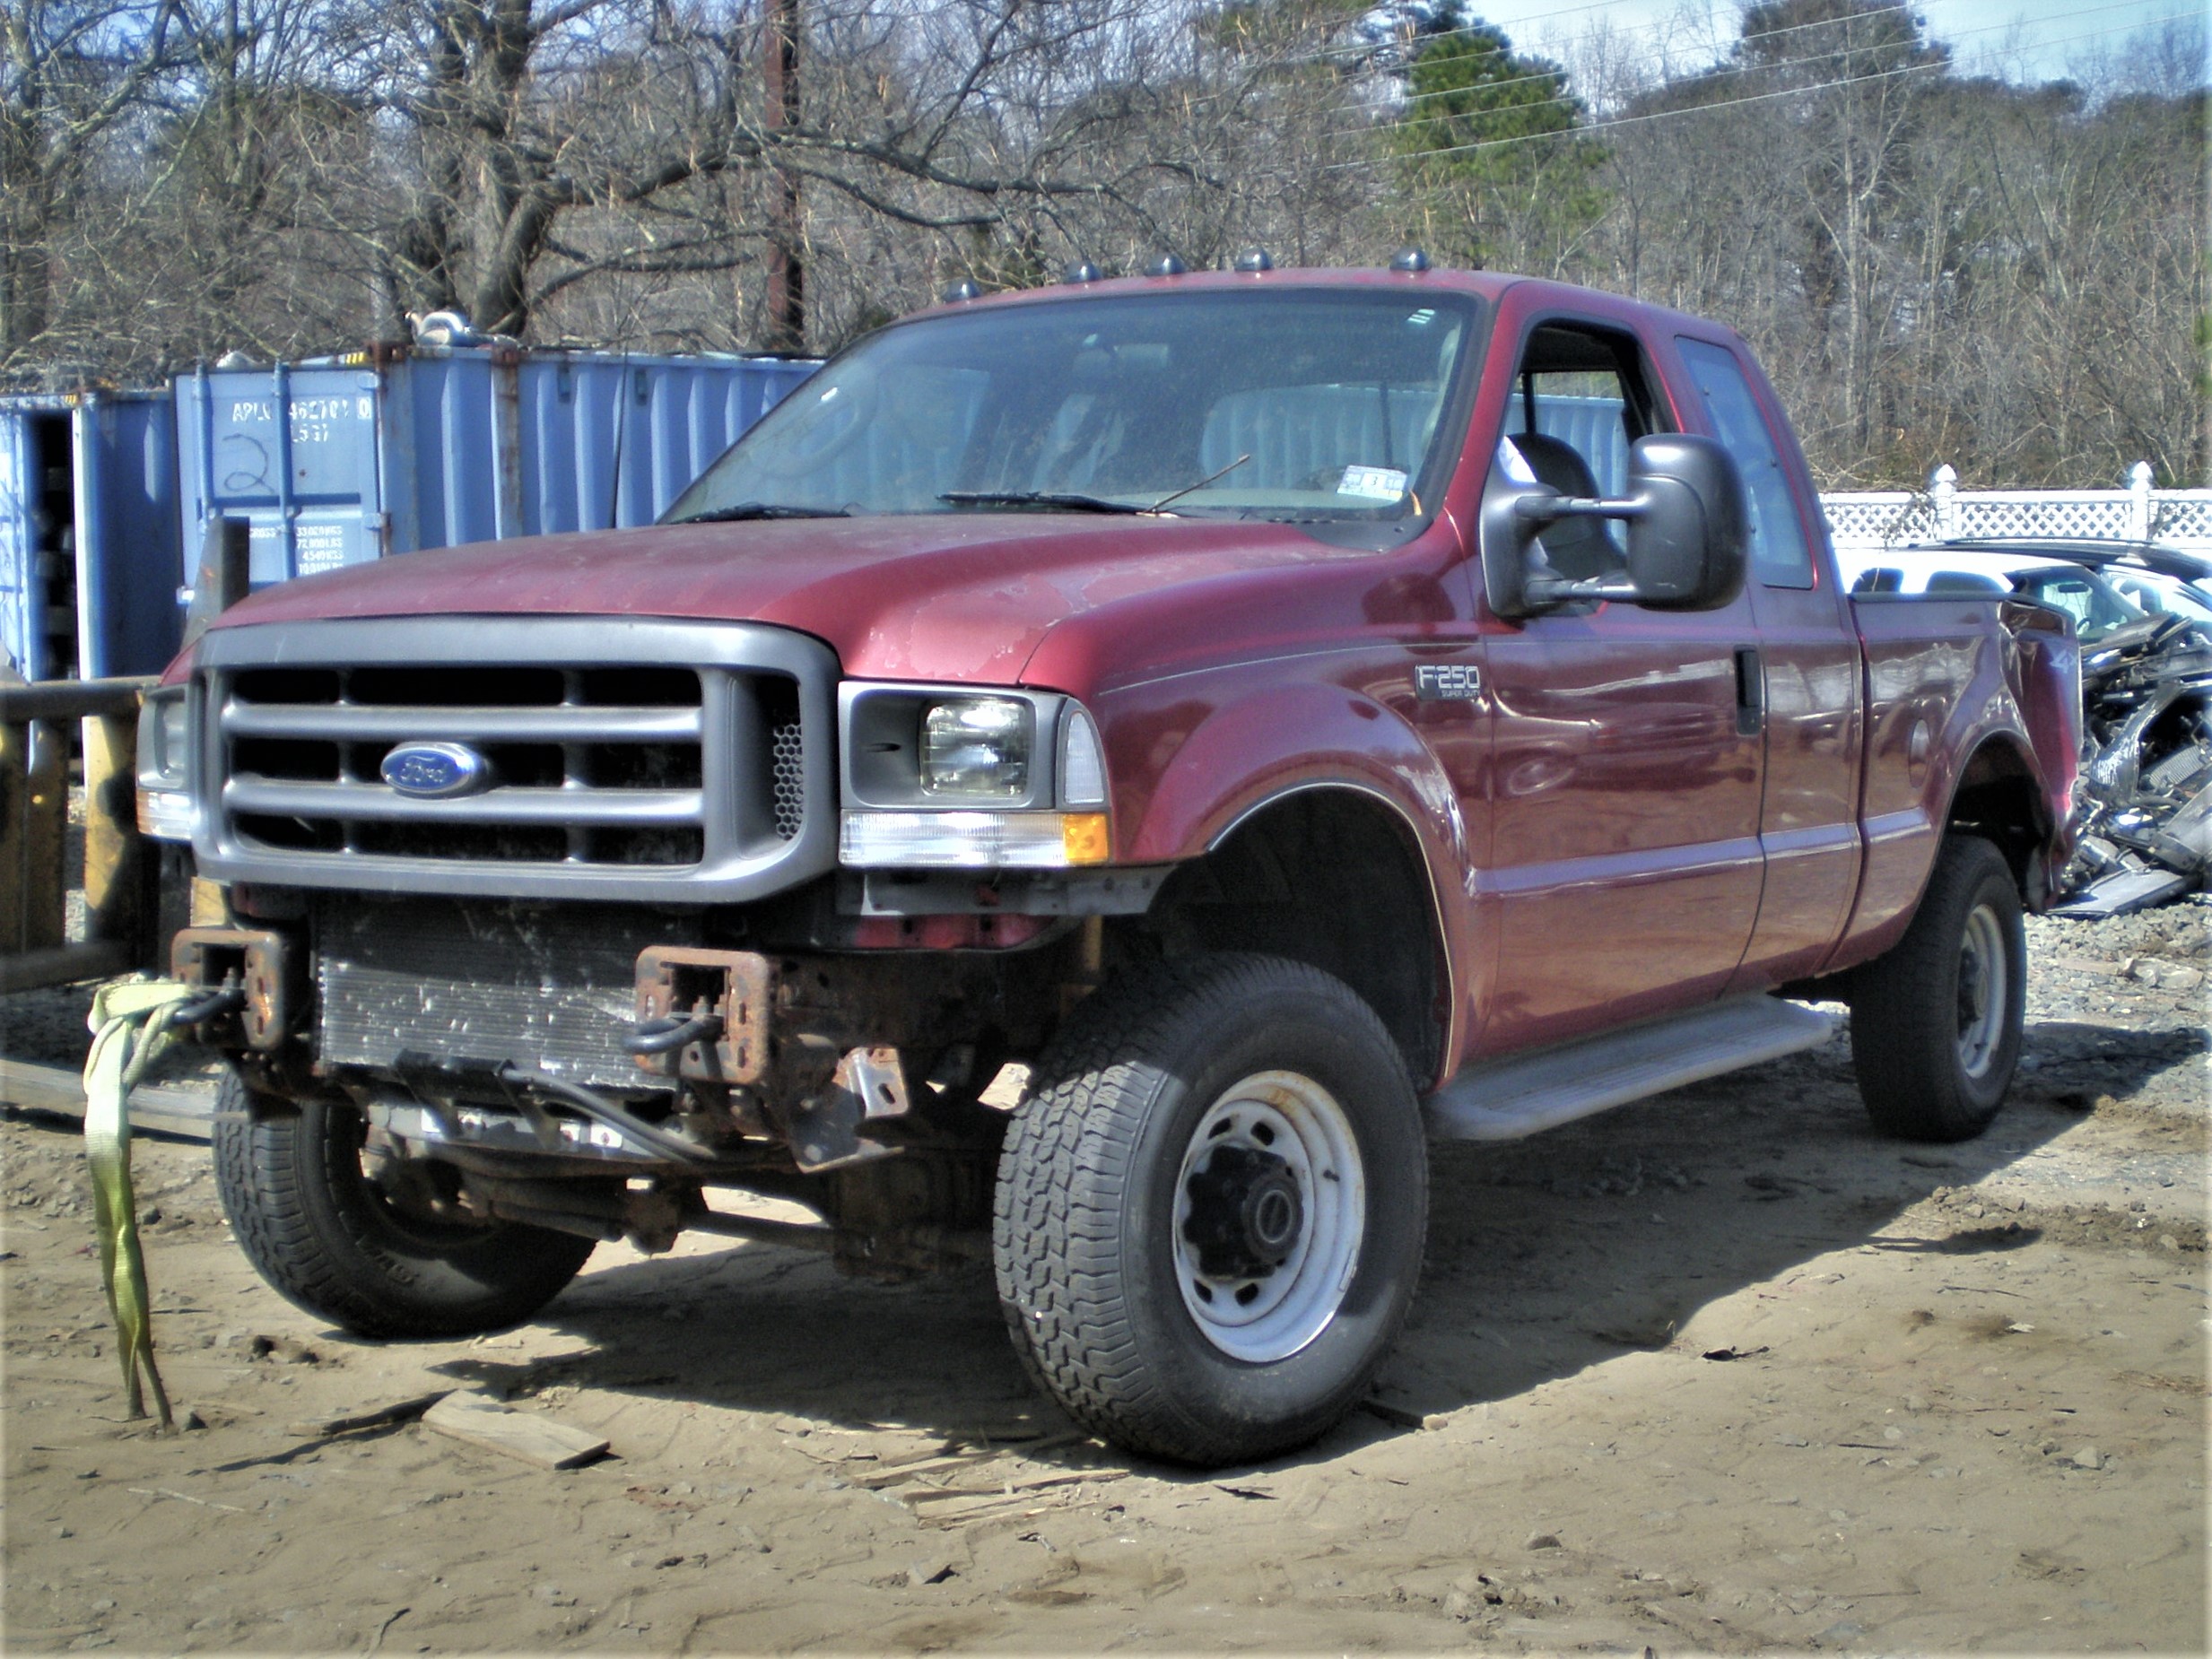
[
  {"x": 1294, "y": 403},
  {"x": 2156, "y": 594},
  {"x": 2084, "y": 595}
]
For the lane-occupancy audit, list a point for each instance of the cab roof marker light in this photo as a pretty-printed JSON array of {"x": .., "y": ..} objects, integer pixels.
[
  {"x": 960, "y": 292},
  {"x": 1410, "y": 260},
  {"x": 1082, "y": 271},
  {"x": 1253, "y": 260},
  {"x": 1083, "y": 760},
  {"x": 1166, "y": 265}
]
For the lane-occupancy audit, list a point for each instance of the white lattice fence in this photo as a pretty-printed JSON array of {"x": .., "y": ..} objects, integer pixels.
[
  {"x": 1943, "y": 512},
  {"x": 2183, "y": 518},
  {"x": 1872, "y": 518}
]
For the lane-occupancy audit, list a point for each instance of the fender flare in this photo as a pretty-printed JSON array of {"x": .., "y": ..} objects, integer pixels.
[{"x": 1251, "y": 754}]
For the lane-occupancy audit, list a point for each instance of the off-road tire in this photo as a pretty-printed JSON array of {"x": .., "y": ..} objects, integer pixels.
[
  {"x": 1910, "y": 1018},
  {"x": 1083, "y": 1226},
  {"x": 326, "y": 1241}
]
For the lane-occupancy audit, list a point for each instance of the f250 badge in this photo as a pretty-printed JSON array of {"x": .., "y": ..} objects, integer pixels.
[
  {"x": 1448, "y": 683},
  {"x": 436, "y": 772}
]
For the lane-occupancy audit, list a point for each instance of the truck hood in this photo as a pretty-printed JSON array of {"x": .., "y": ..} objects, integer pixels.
[{"x": 954, "y": 596}]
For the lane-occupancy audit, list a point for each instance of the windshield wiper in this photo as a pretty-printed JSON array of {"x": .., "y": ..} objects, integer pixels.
[
  {"x": 1067, "y": 499},
  {"x": 743, "y": 510},
  {"x": 1079, "y": 503}
]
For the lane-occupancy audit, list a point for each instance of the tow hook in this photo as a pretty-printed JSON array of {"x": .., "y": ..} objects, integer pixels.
[
  {"x": 226, "y": 998},
  {"x": 672, "y": 1031}
]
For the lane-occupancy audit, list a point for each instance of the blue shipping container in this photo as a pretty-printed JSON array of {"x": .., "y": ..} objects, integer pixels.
[
  {"x": 88, "y": 533},
  {"x": 336, "y": 461}
]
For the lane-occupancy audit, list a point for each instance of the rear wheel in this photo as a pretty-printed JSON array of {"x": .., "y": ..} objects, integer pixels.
[
  {"x": 1211, "y": 1209},
  {"x": 365, "y": 1254},
  {"x": 1935, "y": 1023}
]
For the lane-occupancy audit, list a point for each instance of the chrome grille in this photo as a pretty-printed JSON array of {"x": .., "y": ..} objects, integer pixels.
[
  {"x": 588, "y": 765},
  {"x": 650, "y": 759}
]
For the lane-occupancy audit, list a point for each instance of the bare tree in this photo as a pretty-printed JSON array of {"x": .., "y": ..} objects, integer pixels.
[{"x": 73, "y": 70}]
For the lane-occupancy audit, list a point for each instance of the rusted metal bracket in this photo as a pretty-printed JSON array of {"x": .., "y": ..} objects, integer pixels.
[
  {"x": 831, "y": 1129},
  {"x": 676, "y": 982},
  {"x": 261, "y": 964}
]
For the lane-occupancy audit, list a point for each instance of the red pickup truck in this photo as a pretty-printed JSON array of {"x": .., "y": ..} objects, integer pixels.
[{"x": 1293, "y": 714}]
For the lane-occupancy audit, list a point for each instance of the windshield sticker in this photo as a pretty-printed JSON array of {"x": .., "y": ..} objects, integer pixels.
[
  {"x": 1513, "y": 463},
  {"x": 1372, "y": 483}
]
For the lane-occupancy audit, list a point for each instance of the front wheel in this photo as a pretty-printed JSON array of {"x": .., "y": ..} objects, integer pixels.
[
  {"x": 1935, "y": 1022},
  {"x": 1211, "y": 1209},
  {"x": 368, "y": 1255}
]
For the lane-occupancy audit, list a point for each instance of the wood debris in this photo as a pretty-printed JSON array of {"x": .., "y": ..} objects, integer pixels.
[{"x": 539, "y": 1440}]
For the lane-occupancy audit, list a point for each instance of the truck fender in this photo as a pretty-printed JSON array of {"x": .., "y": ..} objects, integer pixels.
[
  {"x": 1251, "y": 753},
  {"x": 1271, "y": 743}
]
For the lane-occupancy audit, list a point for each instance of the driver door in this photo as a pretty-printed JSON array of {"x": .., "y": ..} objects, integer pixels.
[{"x": 1625, "y": 772}]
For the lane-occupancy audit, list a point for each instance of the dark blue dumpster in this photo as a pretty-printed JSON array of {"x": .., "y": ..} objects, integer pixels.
[{"x": 88, "y": 533}]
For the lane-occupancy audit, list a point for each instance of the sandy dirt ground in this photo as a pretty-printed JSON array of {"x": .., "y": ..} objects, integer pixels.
[{"x": 1718, "y": 1372}]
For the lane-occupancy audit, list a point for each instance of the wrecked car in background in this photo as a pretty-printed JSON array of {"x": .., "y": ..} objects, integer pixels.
[
  {"x": 2143, "y": 812},
  {"x": 2144, "y": 816}
]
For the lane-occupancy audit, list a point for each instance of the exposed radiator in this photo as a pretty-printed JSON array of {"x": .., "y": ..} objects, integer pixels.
[{"x": 551, "y": 987}]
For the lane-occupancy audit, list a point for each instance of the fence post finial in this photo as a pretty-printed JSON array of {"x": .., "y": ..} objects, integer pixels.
[
  {"x": 2139, "y": 487},
  {"x": 1943, "y": 485}
]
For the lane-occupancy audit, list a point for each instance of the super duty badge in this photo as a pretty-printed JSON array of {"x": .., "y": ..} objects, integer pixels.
[{"x": 1448, "y": 683}]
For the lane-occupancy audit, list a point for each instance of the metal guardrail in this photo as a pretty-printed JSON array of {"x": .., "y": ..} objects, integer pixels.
[{"x": 40, "y": 726}]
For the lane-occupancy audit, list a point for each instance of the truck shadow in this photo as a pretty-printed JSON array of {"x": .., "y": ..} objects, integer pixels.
[{"x": 1545, "y": 1258}]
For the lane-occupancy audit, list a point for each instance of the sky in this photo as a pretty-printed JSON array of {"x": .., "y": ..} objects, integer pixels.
[{"x": 2022, "y": 39}]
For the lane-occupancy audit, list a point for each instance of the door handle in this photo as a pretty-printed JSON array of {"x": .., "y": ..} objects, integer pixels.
[{"x": 1750, "y": 692}]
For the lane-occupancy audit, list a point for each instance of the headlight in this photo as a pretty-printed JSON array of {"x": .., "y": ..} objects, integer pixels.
[
  {"x": 164, "y": 739},
  {"x": 934, "y": 779},
  {"x": 977, "y": 749}
]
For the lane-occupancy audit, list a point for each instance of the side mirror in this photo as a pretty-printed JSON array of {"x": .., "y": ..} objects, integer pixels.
[{"x": 1686, "y": 521}]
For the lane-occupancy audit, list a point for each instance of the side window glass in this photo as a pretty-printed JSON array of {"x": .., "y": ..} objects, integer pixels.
[
  {"x": 1778, "y": 555},
  {"x": 1583, "y": 410},
  {"x": 1579, "y": 401}
]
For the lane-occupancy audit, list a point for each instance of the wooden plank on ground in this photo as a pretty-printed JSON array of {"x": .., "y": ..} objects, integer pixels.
[
  {"x": 535, "y": 1439},
  {"x": 172, "y": 1106}
]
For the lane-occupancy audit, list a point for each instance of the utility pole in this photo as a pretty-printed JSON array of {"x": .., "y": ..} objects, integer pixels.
[{"x": 787, "y": 276}]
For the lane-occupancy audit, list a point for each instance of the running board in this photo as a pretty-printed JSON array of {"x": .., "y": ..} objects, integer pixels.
[{"x": 1510, "y": 1099}]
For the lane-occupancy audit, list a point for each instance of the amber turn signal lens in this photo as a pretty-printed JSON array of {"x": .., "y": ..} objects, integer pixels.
[{"x": 1084, "y": 839}]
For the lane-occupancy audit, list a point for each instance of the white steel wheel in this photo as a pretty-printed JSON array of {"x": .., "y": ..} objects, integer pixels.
[
  {"x": 1270, "y": 1206},
  {"x": 1983, "y": 991}
]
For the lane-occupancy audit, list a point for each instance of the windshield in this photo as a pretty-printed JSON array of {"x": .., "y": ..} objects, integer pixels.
[
  {"x": 2088, "y": 598},
  {"x": 1291, "y": 404},
  {"x": 2158, "y": 595}
]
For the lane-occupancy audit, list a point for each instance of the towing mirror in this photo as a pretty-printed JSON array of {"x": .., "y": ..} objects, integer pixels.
[{"x": 1686, "y": 519}]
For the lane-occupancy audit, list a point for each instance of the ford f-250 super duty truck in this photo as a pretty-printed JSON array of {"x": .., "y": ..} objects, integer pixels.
[{"x": 1291, "y": 713}]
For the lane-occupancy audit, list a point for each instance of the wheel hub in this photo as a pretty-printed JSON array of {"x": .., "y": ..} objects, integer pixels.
[
  {"x": 1246, "y": 1214},
  {"x": 1270, "y": 1210},
  {"x": 1981, "y": 992}
]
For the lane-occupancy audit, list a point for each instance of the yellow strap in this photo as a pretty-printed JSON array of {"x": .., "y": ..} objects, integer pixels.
[{"x": 129, "y": 1032}]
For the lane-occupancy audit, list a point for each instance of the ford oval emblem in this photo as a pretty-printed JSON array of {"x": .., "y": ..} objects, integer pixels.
[{"x": 436, "y": 772}]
